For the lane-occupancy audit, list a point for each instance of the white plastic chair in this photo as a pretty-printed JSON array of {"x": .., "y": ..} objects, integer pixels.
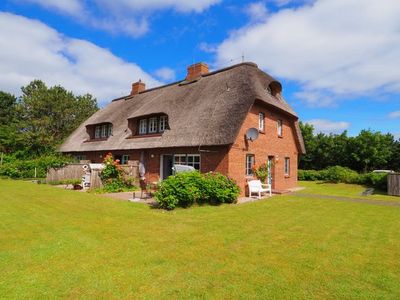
[{"x": 255, "y": 186}]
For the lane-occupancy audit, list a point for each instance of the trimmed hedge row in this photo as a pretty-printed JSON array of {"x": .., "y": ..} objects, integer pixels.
[
  {"x": 338, "y": 174},
  {"x": 188, "y": 188},
  {"x": 18, "y": 169}
]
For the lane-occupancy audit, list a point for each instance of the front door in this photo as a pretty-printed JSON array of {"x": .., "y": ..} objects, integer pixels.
[{"x": 167, "y": 164}]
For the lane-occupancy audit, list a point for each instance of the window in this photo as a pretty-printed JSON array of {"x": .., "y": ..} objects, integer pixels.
[
  {"x": 80, "y": 157},
  {"x": 192, "y": 160},
  {"x": 249, "y": 164},
  {"x": 97, "y": 132},
  {"x": 287, "y": 166},
  {"x": 279, "y": 127},
  {"x": 261, "y": 121},
  {"x": 180, "y": 159},
  {"x": 102, "y": 131},
  {"x": 162, "y": 125},
  {"x": 124, "y": 159},
  {"x": 143, "y": 126},
  {"x": 153, "y": 125}
]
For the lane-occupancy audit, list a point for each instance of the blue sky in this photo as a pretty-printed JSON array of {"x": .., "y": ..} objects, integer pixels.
[{"x": 338, "y": 60}]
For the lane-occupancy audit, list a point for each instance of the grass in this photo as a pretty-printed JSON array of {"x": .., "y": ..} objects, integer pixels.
[
  {"x": 56, "y": 243},
  {"x": 343, "y": 190}
]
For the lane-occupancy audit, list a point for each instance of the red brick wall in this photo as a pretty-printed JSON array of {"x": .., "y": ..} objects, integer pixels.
[
  {"x": 211, "y": 158},
  {"x": 267, "y": 144}
]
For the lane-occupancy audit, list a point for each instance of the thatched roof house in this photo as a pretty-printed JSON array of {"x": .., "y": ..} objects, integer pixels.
[{"x": 207, "y": 109}]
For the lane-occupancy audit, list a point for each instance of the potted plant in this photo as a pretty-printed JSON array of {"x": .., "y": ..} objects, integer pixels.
[{"x": 261, "y": 172}]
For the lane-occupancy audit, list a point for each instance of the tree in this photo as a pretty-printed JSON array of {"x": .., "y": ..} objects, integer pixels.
[
  {"x": 49, "y": 115},
  {"x": 8, "y": 122}
]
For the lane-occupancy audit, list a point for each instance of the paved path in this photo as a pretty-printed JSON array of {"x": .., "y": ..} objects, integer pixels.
[{"x": 350, "y": 199}]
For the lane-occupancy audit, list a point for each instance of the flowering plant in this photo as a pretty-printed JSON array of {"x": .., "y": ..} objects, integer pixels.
[
  {"x": 261, "y": 172},
  {"x": 112, "y": 170}
]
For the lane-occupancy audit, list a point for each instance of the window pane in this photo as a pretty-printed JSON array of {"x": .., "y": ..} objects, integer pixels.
[
  {"x": 279, "y": 124},
  {"x": 261, "y": 121},
  {"x": 249, "y": 164},
  {"x": 163, "y": 123},
  {"x": 153, "y": 125},
  {"x": 104, "y": 131},
  {"x": 143, "y": 126},
  {"x": 97, "y": 132}
]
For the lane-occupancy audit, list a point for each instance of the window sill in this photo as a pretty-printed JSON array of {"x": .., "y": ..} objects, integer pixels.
[
  {"x": 280, "y": 136},
  {"x": 96, "y": 140},
  {"x": 138, "y": 136},
  {"x": 261, "y": 131},
  {"x": 287, "y": 176}
]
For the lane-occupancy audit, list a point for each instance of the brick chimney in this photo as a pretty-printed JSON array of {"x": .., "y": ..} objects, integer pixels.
[
  {"x": 196, "y": 70},
  {"x": 138, "y": 87}
]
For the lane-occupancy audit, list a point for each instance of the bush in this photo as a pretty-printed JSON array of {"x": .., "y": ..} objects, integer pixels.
[
  {"x": 187, "y": 188},
  {"x": 15, "y": 168},
  {"x": 338, "y": 174}
]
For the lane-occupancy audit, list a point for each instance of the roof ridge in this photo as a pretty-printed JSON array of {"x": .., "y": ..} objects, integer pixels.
[{"x": 181, "y": 81}]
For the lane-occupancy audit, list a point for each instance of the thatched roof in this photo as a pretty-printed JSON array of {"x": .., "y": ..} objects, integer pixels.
[{"x": 208, "y": 111}]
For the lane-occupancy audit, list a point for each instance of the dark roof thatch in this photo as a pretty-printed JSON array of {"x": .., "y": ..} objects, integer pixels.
[{"x": 209, "y": 111}]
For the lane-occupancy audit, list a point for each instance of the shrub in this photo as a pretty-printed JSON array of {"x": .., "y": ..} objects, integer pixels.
[
  {"x": 339, "y": 174},
  {"x": 15, "y": 168},
  {"x": 187, "y": 188},
  {"x": 261, "y": 172}
]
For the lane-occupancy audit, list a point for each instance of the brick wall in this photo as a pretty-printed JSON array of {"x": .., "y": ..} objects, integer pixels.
[{"x": 267, "y": 144}]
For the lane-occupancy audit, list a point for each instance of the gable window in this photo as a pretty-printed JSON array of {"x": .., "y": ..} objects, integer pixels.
[
  {"x": 162, "y": 125},
  {"x": 287, "y": 166},
  {"x": 102, "y": 131},
  {"x": 143, "y": 126},
  {"x": 153, "y": 125},
  {"x": 261, "y": 121},
  {"x": 249, "y": 164},
  {"x": 279, "y": 127}
]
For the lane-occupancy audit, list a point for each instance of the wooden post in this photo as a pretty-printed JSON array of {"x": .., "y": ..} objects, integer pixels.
[{"x": 393, "y": 184}]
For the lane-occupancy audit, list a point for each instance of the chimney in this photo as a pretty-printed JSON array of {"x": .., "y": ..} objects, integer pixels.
[
  {"x": 138, "y": 87},
  {"x": 195, "y": 71}
]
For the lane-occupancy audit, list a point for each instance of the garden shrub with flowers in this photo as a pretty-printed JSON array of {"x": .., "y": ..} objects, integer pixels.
[
  {"x": 112, "y": 176},
  {"x": 261, "y": 172}
]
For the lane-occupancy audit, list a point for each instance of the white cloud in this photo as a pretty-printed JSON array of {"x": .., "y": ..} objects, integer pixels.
[
  {"x": 31, "y": 50},
  {"x": 327, "y": 126},
  {"x": 129, "y": 17},
  {"x": 257, "y": 11},
  {"x": 165, "y": 74},
  {"x": 345, "y": 47},
  {"x": 394, "y": 114},
  {"x": 208, "y": 48},
  {"x": 71, "y": 7}
]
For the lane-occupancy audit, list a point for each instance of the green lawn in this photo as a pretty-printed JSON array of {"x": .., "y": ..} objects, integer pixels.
[
  {"x": 58, "y": 243},
  {"x": 343, "y": 190}
]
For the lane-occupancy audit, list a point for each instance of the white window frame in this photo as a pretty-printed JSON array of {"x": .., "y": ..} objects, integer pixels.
[
  {"x": 250, "y": 161},
  {"x": 180, "y": 159},
  {"x": 261, "y": 121},
  {"x": 162, "y": 124},
  {"x": 143, "y": 126},
  {"x": 287, "y": 166},
  {"x": 153, "y": 125},
  {"x": 97, "y": 132},
  {"x": 104, "y": 131},
  {"x": 109, "y": 130},
  {"x": 279, "y": 125}
]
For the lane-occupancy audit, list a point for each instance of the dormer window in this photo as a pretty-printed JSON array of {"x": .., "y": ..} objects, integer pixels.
[
  {"x": 100, "y": 131},
  {"x": 153, "y": 124}
]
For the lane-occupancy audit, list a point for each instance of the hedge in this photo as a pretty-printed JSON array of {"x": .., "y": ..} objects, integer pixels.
[{"x": 338, "y": 174}]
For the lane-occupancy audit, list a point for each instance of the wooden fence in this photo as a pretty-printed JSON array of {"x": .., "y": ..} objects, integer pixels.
[
  {"x": 70, "y": 171},
  {"x": 394, "y": 184},
  {"x": 76, "y": 171}
]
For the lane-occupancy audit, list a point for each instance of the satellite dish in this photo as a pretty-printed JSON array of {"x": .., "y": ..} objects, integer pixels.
[{"x": 252, "y": 134}]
